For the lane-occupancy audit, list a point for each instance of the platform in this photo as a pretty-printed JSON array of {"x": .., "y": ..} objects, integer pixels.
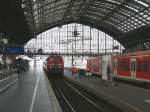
[
  {"x": 127, "y": 97},
  {"x": 29, "y": 94}
]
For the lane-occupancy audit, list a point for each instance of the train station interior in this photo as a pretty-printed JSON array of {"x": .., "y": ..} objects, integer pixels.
[{"x": 74, "y": 55}]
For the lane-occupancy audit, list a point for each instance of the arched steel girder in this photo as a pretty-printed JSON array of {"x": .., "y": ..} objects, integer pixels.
[
  {"x": 111, "y": 17},
  {"x": 127, "y": 41},
  {"x": 118, "y": 17},
  {"x": 115, "y": 18},
  {"x": 60, "y": 23}
]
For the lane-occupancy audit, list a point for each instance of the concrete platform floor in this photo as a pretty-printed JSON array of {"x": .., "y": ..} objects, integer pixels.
[
  {"x": 29, "y": 94},
  {"x": 134, "y": 97}
]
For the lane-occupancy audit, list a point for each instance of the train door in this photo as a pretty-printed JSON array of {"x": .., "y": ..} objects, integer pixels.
[
  {"x": 133, "y": 68},
  {"x": 104, "y": 70},
  {"x": 115, "y": 67}
]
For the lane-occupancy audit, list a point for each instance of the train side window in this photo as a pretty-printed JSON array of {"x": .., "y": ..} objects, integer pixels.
[
  {"x": 127, "y": 66},
  {"x": 122, "y": 65},
  {"x": 119, "y": 65},
  {"x": 139, "y": 66},
  {"x": 145, "y": 66},
  {"x": 133, "y": 66},
  {"x": 114, "y": 64}
]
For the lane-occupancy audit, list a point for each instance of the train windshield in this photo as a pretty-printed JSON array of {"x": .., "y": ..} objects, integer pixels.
[{"x": 57, "y": 60}]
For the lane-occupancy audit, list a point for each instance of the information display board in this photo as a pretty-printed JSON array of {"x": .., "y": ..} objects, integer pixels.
[{"x": 14, "y": 50}]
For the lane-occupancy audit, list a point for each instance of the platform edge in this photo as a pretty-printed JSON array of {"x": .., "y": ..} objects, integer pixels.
[
  {"x": 108, "y": 99},
  {"x": 55, "y": 105}
]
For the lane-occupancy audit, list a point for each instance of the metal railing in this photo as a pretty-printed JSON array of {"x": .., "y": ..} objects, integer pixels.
[{"x": 7, "y": 73}]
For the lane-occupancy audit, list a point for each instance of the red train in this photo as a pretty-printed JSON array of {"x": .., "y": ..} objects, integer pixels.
[
  {"x": 54, "y": 66},
  {"x": 134, "y": 66},
  {"x": 94, "y": 65}
]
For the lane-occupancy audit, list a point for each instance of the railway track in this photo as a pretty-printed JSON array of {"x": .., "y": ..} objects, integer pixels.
[{"x": 73, "y": 99}]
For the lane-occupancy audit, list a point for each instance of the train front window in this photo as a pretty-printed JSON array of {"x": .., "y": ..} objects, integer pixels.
[{"x": 145, "y": 66}]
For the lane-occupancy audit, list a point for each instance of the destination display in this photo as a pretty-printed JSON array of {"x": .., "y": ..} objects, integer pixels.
[{"x": 14, "y": 50}]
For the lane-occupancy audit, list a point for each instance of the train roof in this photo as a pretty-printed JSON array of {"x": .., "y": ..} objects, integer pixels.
[
  {"x": 55, "y": 56},
  {"x": 147, "y": 53}
]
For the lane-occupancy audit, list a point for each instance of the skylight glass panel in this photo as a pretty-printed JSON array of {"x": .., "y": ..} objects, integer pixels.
[
  {"x": 142, "y": 3},
  {"x": 135, "y": 10},
  {"x": 148, "y": 18},
  {"x": 145, "y": 16},
  {"x": 114, "y": 1}
]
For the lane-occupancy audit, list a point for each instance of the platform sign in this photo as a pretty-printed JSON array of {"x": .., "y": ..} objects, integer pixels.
[
  {"x": 14, "y": 50},
  {"x": 1, "y": 50}
]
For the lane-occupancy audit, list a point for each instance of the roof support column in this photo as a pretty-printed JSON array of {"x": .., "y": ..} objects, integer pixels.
[
  {"x": 90, "y": 41},
  {"x": 98, "y": 41},
  {"x": 105, "y": 44}
]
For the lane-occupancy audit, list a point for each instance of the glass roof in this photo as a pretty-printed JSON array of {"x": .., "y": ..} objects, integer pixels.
[
  {"x": 124, "y": 15},
  {"x": 114, "y": 17}
]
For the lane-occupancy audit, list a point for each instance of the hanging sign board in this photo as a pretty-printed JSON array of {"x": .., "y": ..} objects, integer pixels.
[{"x": 14, "y": 50}]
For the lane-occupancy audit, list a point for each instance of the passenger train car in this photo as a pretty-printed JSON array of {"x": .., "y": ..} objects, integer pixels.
[
  {"x": 54, "y": 66},
  {"x": 134, "y": 66},
  {"x": 94, "y": 65},
  {"x": 131, "y": 66}
]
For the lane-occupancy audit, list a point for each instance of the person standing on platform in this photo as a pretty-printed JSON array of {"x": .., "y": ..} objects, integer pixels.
[
  {"x": 108, "y": 72},
  {"x": 109, "y": 76},
  {"x": 74, "y": 71},
  {"x": 18, "y": 69}
]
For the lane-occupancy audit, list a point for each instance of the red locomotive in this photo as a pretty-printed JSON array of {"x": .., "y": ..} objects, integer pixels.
[
  {"x": 134, "y": 66},
  {"x": 54, "y": 66}
]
